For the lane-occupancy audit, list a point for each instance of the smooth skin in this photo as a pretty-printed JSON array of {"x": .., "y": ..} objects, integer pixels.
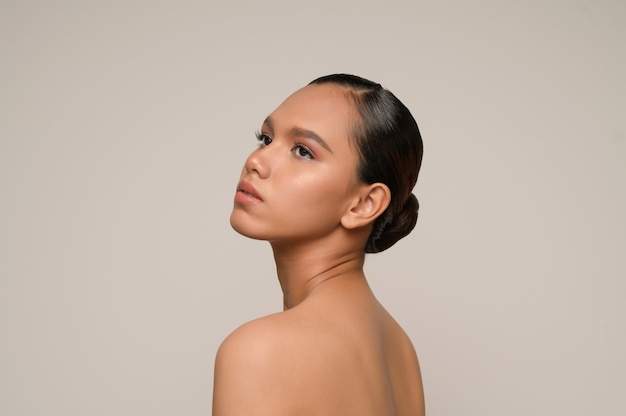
[{"x": 334, "y": 350}]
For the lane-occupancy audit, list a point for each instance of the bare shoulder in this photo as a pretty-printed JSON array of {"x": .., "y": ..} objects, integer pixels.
[
  {"x": 268, "y": 337},
  {"x": 254, "y": 369},
  {"x": 306, "y": 361},
  {"x": 251, "y": 338}
]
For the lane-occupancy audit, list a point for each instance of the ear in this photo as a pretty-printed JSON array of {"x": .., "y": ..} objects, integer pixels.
[{"x": 370, "y": 202}]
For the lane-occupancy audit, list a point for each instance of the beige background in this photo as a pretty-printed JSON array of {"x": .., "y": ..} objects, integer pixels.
[{"x": 123, "y": 126}]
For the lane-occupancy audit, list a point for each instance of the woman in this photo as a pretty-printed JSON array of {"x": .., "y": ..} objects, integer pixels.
[{"x": 332, "y": 179}]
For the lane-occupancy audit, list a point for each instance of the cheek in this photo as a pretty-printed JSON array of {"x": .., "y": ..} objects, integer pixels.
[
  {"x": 301, "y": 204},
  {"x": 318, "y": 193}
]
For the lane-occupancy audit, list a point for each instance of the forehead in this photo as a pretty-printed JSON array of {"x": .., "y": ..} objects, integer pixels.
[{"x": 326, "y": 109}]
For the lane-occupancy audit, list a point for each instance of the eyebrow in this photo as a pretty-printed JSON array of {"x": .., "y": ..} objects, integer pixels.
[{"x": 300, "y": 132}]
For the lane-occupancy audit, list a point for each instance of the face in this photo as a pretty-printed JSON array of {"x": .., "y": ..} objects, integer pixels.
[{"x": 302, "y": 177}]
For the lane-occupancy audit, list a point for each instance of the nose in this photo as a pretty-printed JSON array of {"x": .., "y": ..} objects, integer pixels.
[{"x": 258, "y": 163}]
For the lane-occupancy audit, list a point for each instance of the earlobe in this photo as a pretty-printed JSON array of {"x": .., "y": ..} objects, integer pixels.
[{"x": 372, "y": 201}]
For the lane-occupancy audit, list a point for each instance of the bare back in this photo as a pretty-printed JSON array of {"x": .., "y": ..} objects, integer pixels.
[{"x": 330, "y": 355}]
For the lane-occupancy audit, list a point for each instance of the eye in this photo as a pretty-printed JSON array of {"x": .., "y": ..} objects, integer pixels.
[
  {"x": 263, "y": 139},
  {"x": 302, "y": 151}
]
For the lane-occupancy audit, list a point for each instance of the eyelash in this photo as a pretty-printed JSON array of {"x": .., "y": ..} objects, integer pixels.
[
  {"x": 261, "y": 137},
  {"x": 297, "y": 147}
]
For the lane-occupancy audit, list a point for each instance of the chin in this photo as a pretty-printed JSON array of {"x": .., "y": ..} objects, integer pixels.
[{"x": 243, "y": 227}]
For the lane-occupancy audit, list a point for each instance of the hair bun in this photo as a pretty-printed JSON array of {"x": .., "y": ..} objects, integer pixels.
[{"x": 388, "y": 229}]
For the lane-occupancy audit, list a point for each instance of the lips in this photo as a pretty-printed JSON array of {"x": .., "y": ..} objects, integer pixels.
[{"x": 247, "y": 194}]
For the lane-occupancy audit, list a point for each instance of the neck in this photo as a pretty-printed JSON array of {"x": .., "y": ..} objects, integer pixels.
[{"x": 302, "y": 269}]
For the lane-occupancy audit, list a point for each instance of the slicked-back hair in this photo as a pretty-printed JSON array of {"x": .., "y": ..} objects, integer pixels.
[{"x": 389, "y": 146}]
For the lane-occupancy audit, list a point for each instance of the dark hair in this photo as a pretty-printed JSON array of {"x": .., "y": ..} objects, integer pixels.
[{"x": 390, "y": 151}]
